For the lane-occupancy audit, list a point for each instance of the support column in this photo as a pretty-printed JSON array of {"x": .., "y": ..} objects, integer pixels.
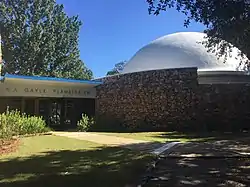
[
  {"x": 36, "y": 107},
  {"x": 62, "y": 111},
  {"x": 22, "y": 105}
]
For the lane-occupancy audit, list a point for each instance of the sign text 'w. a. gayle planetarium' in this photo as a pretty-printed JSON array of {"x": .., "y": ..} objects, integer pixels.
[
  {"x": 57, "y": 91},
  {"x": 74, "y": 92}
]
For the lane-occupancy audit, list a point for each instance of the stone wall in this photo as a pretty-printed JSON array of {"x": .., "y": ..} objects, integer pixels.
[
  {"x": 153, "y": 98},
  {"x": 223, "y": 106},
  {"x": 169, "y": 99}
]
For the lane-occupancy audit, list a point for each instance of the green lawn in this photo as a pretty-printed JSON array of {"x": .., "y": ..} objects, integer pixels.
[
  {"x": 58, "y": 161},
  {"x": 162, "y": 136}
]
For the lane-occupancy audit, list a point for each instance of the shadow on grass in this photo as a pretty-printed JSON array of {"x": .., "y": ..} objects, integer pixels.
[
  {"x": 100, "y": 167},
  {"x": 116, "y": 166},
  {"x": 201, "y": 172},
  {"x": 201, "y": 136}
]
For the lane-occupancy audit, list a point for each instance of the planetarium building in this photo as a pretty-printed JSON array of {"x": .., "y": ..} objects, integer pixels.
[
  {"x": 175, "y": 83},
  {"x": 171, "y": 83},
  {"x": 179, "y": 50}
]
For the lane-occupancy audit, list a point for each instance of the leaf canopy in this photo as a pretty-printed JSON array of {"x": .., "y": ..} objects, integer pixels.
[{"x": 38, "y": 38}]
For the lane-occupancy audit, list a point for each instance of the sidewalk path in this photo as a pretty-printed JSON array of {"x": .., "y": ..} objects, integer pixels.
[
  {"x": 223, "y": 148},
  {"x": 101, "y": 139},
  {"x": 214, "y": 163}
]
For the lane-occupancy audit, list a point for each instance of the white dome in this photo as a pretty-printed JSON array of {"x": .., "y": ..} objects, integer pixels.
[{"x": 179, "y": 50}]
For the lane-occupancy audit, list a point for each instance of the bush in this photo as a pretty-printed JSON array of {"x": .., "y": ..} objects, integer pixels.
[
  {"x": 85, "y": 123},
  {"x": 14, "y": 123}
]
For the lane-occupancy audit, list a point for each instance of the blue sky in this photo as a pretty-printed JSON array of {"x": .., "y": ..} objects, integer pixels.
[{"x": 113, "y": 30}]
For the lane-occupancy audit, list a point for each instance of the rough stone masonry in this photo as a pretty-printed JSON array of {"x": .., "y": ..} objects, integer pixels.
[{"x": 171, "y": 99}]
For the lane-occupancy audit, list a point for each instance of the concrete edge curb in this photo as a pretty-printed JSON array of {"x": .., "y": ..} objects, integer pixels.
[
  {"x": 205, "y": 157},
  {"x": 170, "y": 149},
  {"x": 30, "y": 135},
  {"x": 157, "y": 153}
]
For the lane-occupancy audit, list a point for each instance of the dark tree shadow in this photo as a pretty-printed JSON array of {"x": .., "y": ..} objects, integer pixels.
[
  {"x": 223, "y": 162},
  {"x": 202, "y": 136},
  {"x": 146, "y": 147},
  {"x": 117, "y": 166},
  {"x": 200, "y": 172},
  {"x": 109, "y": 167},
  {"x": 219, "y": 148}
]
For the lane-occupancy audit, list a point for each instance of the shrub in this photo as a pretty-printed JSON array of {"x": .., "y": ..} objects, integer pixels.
[
  {"x": 85, "y": 123},
  {"x": 32, "y": 125},
  {"x": 14, "y": 123}
]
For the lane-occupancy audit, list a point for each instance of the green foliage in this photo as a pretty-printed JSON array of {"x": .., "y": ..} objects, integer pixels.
[
  {"x": 85, "y": 123},
  {"x": 112, "y": 72},
  {"x": 14, "y": 123},
  {"x": 100, "y": 124},
  {"x": 225, "y": 21},
  {"x": 117, "y": 69},
  {"x": 38, "y": 38}
]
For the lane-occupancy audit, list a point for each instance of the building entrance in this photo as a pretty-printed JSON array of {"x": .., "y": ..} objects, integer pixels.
[
  {"x": 55, "y": 115},
  {"x": 61, "y": 102},
  {"x": 59, "y": 113},
  {"x": 64, "y": 113}
]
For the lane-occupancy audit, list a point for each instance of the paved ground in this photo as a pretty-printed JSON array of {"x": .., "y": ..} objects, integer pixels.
[
  {"x": 102, "y": 139},
  {"x": 139, "y": 145},
  {"x": 218, "y": 163},
  {"x": 221, "y": 148},
  {"x": 199, "y": 172}
]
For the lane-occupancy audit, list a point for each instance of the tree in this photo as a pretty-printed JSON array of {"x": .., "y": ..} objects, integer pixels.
[
  {"x": 38, "y": 38},
  {"x": 117, "y": 69},
  {"x": 225, "y": 20}
]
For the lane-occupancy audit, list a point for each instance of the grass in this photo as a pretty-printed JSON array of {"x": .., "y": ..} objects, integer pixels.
[
  {"x": 60, "y": 161},
  {"x": 162, "y": 136}
]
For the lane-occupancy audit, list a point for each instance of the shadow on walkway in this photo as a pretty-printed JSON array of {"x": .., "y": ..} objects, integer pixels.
[
  {"x": 202, "y": 136},
  {"x": 199, "y": 172},
  {"x": 115, "y": 166},
  {"x": 214, "y": 163}
]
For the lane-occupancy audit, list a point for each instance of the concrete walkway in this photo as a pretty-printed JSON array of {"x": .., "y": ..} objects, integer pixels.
[
  {"x": 221, "y": 148},
  {"x": 101, "y": 139}
]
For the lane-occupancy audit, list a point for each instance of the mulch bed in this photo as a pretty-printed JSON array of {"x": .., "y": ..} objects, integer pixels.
[{"x": 7, "y": 146}]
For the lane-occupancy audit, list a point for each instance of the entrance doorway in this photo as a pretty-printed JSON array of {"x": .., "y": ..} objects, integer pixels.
[
  {"x": 69, "y": 113},
  {"x": 55, "y": 113},
  {"x": 59, "y": 113},
  {"x": 52, "y": 111},
  {"x": 65, "y": 113}
]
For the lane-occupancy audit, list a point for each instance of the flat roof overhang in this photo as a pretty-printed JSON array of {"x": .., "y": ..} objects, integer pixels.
[
  {"x": 49, "y": 80},
  {"x": 223, "y": 77},
  {"x": 36, "y": 86}
]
